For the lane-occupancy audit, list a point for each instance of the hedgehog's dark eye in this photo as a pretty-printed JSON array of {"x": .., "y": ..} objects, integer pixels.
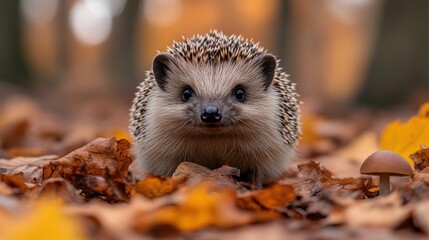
[
  {"x": 239, "y": 94},
  {"x": 187, "y": 94}
]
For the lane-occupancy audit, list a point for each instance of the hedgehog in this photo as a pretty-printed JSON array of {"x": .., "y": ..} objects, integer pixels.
[{"x": 215, "y": 100}]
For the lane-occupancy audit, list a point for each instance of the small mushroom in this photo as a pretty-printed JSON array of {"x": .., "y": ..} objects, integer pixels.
[{"x": 385, "y": 163}]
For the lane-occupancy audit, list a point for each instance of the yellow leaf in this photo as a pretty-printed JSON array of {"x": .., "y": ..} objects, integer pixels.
[
  {"x": 121, "y": 134},
  {"x": 424, "y": 110},
  {"x": 406, "y": 138},
  {"x": 46, "y": 221},
  {"x": 200, "y": 209}
]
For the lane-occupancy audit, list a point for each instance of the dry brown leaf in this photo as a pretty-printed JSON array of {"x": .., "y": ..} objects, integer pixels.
[
  {"x": 417, "y": 190},
  {"x": 15, "y": 181},
  {"x": 59, "y": 188},
  {"x": 382, "y": 212},
  {"x": 277, "y": 195},
  {"x": 101, "y": 157},
  {"x": 31, "y": 167},
  {"x": 110, "y": 188},
  {"x": 221, "y": 178},
  {"x": 99, "y": 169},
  {"x": 421, "y": 159},
  {"x": 313, "y": 179},
  {"x": 156, "y": 186}
]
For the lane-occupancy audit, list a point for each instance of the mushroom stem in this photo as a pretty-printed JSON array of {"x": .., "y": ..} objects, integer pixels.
[{"x": 384, "y": 186}]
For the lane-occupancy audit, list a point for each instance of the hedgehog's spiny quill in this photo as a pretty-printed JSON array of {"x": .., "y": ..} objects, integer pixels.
[{"x": 214, "y": 49}]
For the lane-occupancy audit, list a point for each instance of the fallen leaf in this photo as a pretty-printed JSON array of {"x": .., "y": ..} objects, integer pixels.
[
  {"x": 312, "y": 179},
  {"x": 317, "y": 209},
  {"x": 156, "y": 186},
  {"x": 201, "y": 208},
  {"x": 381, "y": 212},
  {"x": 417, "y": 190},
  {"x": 15, "y": 181},
  {"x": 100, "y": 157},
  {"x": 99, "y": 169},
  {"x": 421, "y": 159},
  {"x": 59, "y": 188},
  {"x": 110, "y": 188},
  {"x": 406, "y": 138},
  {"x": 424, "y": 111},
  {"x": 120, "y": 134},
  {"x": 45, "y": 221},
  {"x": 220, "y": 178},
  {"x": 277, "y": 195},
  {"x": 119, "y": 219},
  {"x": 31, "y": 167}
]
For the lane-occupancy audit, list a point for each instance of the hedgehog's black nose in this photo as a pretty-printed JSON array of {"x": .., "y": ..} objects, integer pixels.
[{"x": 211, "y": 114}]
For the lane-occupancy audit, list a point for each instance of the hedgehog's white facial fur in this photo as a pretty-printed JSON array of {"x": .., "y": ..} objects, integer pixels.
[
  {"x": 257, "y": 135},
  {"x": 214, "y": 85}
]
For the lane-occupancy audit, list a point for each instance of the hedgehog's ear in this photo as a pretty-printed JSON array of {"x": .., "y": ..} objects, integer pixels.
[
  {"x": 161, "y": 66},
  {"x": 267, "y": 63}
]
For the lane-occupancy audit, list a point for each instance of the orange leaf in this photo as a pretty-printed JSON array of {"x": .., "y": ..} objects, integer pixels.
[
  {"x": 157, "y": 186},
  {"x": 16, "y": 181},
  {"x": 270, "y": 198}
]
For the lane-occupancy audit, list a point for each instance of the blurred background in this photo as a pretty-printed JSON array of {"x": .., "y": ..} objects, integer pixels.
[
  {"x": 340, "y": 52},
  {"x": 82, "y": 59}
]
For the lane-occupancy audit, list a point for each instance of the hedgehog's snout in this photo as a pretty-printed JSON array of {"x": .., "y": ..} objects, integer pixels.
[{"x": 211, "y": 114}]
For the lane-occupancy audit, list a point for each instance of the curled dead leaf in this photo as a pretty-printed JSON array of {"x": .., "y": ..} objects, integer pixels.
[
  {"x": 99, "y": 169},
  {"x": 101, "y": 157},
  {"x": 30, "y": 167},
  {"x": 421, "y": 159},
  {"x": 221, "y": 178}
]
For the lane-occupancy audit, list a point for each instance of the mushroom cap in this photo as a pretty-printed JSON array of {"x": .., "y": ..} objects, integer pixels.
[{"x": 386, "y": 161}]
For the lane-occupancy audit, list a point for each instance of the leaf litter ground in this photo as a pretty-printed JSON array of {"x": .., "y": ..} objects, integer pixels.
[{"x": 65, "y": 183}]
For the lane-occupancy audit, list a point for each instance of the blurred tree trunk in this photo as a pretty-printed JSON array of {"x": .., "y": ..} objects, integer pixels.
[
  {"x": 284, "y": 39},
  {"x": 122, "y": 48},
  {"x": 400, "y": 68},
  {"x": 12, "y": 65},
  {"x": 332, "y": 46}
]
